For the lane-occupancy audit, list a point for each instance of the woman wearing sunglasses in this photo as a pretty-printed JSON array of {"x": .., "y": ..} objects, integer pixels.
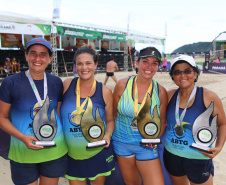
[{"x": 187, "y": 106}]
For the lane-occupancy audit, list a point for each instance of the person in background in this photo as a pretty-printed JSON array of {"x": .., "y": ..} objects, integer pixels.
[
  {"x": 23, "y": 94},
  {"x": 138, "y": 162},
  {"x": 185, "y": 164},
  {"x": 164, "y": 64},
  {"x": 8, "y": 66},
  {"x": 15, "y": 65},
  {"x": 111, "y": 67},
  {"x": 218, "y": 60},
  {"x": 87, "y": 164}
]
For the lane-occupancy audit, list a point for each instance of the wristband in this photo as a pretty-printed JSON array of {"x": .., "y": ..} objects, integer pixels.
[{"x": 109, "y": 132}]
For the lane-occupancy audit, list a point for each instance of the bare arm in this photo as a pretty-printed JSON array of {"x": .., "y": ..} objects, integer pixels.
[
  {"x": 110, "y": 123},
  {"x": 116, "y": 67},
  {"x": 119, "y": 89},
  {"x": 7, "y": 126},
  {"x": 163, "y": 106},
  {"x": 66, "y": 84}
]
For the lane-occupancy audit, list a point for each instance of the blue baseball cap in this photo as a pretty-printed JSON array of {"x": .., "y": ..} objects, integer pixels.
[{"x": 40, "y": 41}]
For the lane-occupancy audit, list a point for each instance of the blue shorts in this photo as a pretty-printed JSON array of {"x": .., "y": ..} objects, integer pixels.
[
  {"x": 26, "y": 173},
  {"x": 142, "y": 153},
  {"x": 198, "y": 171},
  {"x": 99, "y": 165}
]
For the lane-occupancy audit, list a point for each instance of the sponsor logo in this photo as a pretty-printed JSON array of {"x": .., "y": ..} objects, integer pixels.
[
  {"x": 109, "y": 37},
  {"x": 218, "y": 67},
  {"x": 68, "y": 32},
  {"x": 206, "y": 174},
  {"x": 110, "y": 158},
  {"x": 7, "y": 27}
]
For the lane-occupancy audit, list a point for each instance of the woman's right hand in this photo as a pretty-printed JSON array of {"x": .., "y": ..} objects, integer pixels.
[{"x": 28, "y": 141}]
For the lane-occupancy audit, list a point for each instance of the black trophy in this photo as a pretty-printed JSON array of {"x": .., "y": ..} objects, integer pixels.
[
  {"x": 93, "y": 130},
  {"x": 45, "y": 129},
  {"x": 204, "y": 134},
  {"x": 149, "y": 126}
]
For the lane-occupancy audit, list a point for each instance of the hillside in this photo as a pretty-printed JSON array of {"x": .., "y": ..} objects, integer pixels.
[{"x": 195, "y": 47}]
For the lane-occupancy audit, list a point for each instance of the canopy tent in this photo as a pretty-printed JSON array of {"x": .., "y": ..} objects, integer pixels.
[
  {"x": 24, "y": 24},
  {"x": 21, "y": 24},
  {"x": 219, "y": 46},
  {"x": 221, "y": 37}
]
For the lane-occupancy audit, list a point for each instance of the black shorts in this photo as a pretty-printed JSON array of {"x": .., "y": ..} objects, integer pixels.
[
  {"x": 198, "y": 171},
  {"x": 110, "y": 74}
]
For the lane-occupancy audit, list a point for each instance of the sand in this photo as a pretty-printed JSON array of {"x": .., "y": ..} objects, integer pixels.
[{"x": 214, "y": 82}]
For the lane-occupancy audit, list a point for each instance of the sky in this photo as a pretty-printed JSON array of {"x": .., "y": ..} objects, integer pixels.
[{"x": 180, "y": 22}]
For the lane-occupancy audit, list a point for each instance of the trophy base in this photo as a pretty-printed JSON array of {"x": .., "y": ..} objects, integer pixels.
[
  {"x": 200, "y": 147},
  {"x": 150, "y": 141},
  {"x": 96, "y": 144},
  {"x": 45, "y": 143}
]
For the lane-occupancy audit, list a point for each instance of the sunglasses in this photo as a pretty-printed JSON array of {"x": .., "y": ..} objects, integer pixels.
[{"x": 186, "y": 72}]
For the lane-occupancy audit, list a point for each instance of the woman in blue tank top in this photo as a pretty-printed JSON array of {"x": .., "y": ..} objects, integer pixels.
[
  {"x": 87, "y": 114},
  {"x": 193, "y": 115}
]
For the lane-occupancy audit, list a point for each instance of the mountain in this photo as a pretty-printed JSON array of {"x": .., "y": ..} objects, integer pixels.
[{"x": 195, "y": 47}]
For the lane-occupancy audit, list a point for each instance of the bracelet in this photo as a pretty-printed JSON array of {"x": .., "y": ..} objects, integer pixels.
[{"x": 109, "y": 132}]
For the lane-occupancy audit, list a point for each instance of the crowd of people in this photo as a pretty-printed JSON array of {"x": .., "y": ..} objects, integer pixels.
[{"x": 83, "y": 112}]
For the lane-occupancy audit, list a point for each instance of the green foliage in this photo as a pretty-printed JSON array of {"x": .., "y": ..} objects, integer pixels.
[{"x": 195, "y": 47}]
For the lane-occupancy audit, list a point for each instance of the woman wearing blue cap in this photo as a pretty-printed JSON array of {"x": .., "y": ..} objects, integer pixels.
[
  {"x": 135, "y": 97},
  {"x": 193, "y": 115},
  {"x": 33, "y": 97}
]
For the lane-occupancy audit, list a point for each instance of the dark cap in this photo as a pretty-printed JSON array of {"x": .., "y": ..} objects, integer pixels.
[
  {"x": 150, "y": 52},
  {"x": 40, "y": 41}
]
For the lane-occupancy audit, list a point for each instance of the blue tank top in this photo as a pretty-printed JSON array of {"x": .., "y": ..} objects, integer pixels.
[
  {"x": 73, "y": 134},
  {"x": 123, "y": 131},
  {"x": 179, "y": 145}
]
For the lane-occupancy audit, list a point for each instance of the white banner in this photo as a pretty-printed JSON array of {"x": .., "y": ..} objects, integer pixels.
[
  {"x": 21, "y": 28},
  {"x": 145, "y": 40}
]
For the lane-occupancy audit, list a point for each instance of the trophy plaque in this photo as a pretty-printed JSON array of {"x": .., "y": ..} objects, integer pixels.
[
  {"x": 45, "y": 129},
  {"x": 149, "y": 126},
  {"x": 93, "y": 130},
  {"x": 204, "y": 134}
]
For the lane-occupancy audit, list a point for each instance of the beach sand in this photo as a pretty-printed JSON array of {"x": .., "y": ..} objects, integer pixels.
[{"x": 214, "y": 82}]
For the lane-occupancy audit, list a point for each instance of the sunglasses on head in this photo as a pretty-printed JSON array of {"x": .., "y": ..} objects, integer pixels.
[{"x": 186, "y": 72}]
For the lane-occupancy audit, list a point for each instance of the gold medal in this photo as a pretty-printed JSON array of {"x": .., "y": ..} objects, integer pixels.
[
  {"x": 134, "y": 122},
  {"x": 77, "y": 119}
]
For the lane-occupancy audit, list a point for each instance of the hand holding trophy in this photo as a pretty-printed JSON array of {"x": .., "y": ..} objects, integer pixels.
[
  {"x": 204, "y": 134},
  {"x": 45, "y": 129},
  {"x": 93, "y": 130}
]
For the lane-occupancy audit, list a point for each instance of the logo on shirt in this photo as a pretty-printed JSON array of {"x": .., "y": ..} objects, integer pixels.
[
  {"x": 179, "y": 138},
  {"x": 35, "y": 109}
]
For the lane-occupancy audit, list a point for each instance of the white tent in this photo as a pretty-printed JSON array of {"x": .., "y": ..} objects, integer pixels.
[
  {"x": 220, "y": 37},
  {"x": 14, "y": 17}
]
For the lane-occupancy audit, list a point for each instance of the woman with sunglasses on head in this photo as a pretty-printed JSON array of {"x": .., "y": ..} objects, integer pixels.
[
  {"x": 190, "y": 113},
  {"x": 139, "y": 162},
  {"x": 86, "y": 103}
]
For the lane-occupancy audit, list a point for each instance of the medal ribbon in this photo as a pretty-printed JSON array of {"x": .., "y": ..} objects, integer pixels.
[
  {"x": 136, "y": 111},
  {"x": 78, "y": 107},
  {"x": 35, "y": 89},
  {"x": 179, "y": 120}
]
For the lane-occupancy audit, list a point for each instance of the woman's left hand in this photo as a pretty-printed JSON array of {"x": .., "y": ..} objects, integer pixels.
[
  {"x": 214, "y": 151},
  {"x": 107, "y": 138}
]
